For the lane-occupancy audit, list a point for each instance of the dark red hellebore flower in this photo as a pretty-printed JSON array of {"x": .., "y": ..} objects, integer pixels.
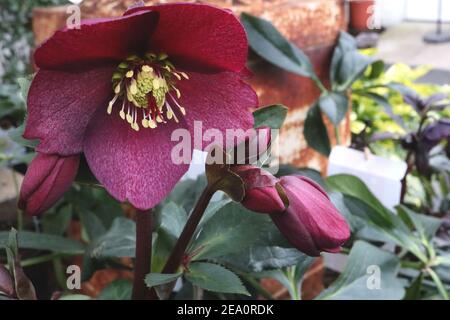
[{"x": 117, "y": 88}]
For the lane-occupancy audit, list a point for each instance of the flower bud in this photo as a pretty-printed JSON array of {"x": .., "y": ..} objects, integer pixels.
[
  {"x": 6, "y": 282},
  {"x": 262, "y": 191},
  {"x": 48, "y": 177},
  {"x": 311, "y": 223}
]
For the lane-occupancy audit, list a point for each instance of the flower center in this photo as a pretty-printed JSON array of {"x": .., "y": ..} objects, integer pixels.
[{"x": 145, "y": 90}]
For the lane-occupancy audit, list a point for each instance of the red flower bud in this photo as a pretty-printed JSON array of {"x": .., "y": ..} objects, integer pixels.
[
  {"x": 48, "y": 177},
  {"x": 262, "y": 191},
  {"x": 311, "y": 223},
  {"x": 6, "y": 282}
]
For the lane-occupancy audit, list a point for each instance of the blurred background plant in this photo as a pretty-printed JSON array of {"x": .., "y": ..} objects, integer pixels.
[{"x": 16, "y": 41}]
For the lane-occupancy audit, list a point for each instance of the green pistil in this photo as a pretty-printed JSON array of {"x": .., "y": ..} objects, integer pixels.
[{"x": 137, "y": 80}]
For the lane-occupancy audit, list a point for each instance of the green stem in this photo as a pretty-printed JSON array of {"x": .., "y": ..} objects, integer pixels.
[
  {"x": 41, "y": 259},
  {"x": 178, "y": 252},
  {"x": 412, "y": 265},
  {"x": 59, "y": 273},
  {"x": 19, "y": 212},
  {"x": 439, "y": 284},
  {"x": 295, "y": 294},
  {"x": 319, "y": 84},
  {"x": 338, "y": 135}
]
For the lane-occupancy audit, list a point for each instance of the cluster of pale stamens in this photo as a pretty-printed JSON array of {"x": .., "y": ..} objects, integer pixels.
[{"x": 146, "y": 89}]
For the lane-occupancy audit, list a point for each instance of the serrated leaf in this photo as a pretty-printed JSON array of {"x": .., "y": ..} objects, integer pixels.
[
  {"x": 230, "y": 230},
  {"x": 270, "y": 44},
  {"x": 215, "y": 278},
  {"x": 157, "y": 279}
]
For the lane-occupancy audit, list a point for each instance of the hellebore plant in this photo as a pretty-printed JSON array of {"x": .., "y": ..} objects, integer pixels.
[{"x": 116, "y": 89}]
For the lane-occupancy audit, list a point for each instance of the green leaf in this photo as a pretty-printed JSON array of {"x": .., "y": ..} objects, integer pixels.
[
  {"x": 354, "y": 221},
  {"x": 425, "y": 225},
  {"x": 25, "y": 84},
  {"x": 41, "y": 241},
  {"x": 173, "y": 219},
  {"x": 230, "y": 230},
  {"x": 215, "y": 278},
  {"x": 442, "y": 291},
  {"x": 186, "y": 192},
  {"x": 270, "y": 116},
  {"x": 348, "y": 64},
  {"x": 355, "y": 187},
  {"x": 56, "y": 222},
  {"x": 270, "y": 44},
  {"x": 118, "y": 241},
  {"x": 413, "y": 291},
  {"x": 117, "y": 290},
  {"x": 355, "y": 281},
  {"x": 157, "y": 279},
  {"x": 92, "y": 224},
  {"x": 260, "y": 258},
  {"x": 362, "y": 203},
  {"x": 382, "y": 101},
  {"x": 334, "y": 106},
  {"x": 292, "y": 283},
  {"x": 301, "y": 267},
  {"x": 315, "y": 132},
  {"x": 16, "y": 134}
]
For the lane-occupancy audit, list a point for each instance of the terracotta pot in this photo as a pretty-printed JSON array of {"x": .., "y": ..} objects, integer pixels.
[{"x": 360, "y": 13}]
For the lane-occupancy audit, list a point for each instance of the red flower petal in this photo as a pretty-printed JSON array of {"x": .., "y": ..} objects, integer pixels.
[
  {"x": 133, "y": 166},
  {"x": 60, "y": 105},
  {"x": 311, "y": 223},
  {"x": 199, "y": 35},
  {"x": 96, "y": 40},
  {"x": 220, "y": 101},
  {"x": 48, "y": 177}
]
